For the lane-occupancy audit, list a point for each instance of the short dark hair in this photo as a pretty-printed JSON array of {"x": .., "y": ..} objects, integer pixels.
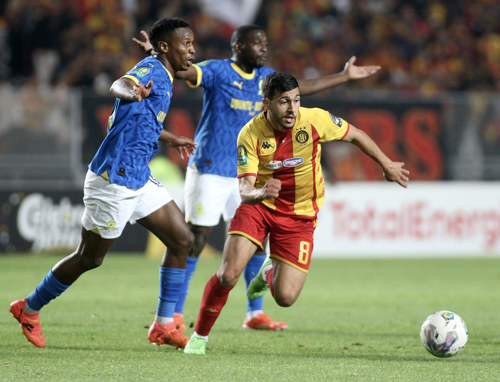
[
  {"x": 163, "y": 30},
  {"x": 277, "y": 83},
  {"x": 241, "y": 34}
]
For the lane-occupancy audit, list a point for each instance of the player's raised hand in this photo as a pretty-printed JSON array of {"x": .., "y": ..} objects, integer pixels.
[
  {"x": 355, "y": 72},
  {"x": 272, "y": 188},
  {"x": 145, "y": 45},
  {"x": 395, "y": 172}
]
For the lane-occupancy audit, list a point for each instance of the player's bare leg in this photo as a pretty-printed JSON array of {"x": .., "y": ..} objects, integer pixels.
[
  {"x": 287, "y": 283},
  {"x": 284, "y": 281}
]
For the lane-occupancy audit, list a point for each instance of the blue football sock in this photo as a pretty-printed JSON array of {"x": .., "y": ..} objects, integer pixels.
[
  {"x": 249, "y": 273},
  {"x": 190, "y": 268},
  {"x": 47, "y": 290},
  {"x": 171, "y": 280}
]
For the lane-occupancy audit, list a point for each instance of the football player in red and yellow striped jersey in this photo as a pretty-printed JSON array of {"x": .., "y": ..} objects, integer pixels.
[{"x": 282, "y": 190}]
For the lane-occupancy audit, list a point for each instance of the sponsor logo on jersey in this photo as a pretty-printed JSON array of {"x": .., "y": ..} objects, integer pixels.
[
  {"x": 293, "y": 162},
  {"x": 266, "y": 145},
  {"x": 161, "y": 116},
  {"x": 274, "y": 164},
  {"x": 238, "y": 84},
  {"x": 302, "y": 136},
  {"x": 336, "y": 120},
  {"x": 242, "y": 156},
  {"x": 250, "y": 106},
  {"x": 260, "y": 87}
]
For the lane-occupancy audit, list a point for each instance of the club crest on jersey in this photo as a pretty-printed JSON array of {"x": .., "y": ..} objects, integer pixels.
[
  {"x": 293, "y": 162},
  {"x": 274, "y": 164},
  {"x": 242, "y": 156},
  {"x": 336, "y": 120},
  {"x": 302, "y": 136},
  {"x": 141, "y": 72}
]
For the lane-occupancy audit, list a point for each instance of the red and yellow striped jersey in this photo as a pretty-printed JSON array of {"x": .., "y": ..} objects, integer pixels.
[{"x": 292, "y": 156}]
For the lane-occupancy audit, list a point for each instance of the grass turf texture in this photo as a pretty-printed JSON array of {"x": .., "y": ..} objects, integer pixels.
[{"x": 355, "y": 320}]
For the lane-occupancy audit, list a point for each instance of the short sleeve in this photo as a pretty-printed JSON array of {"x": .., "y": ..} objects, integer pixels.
[
  {"x": 207, "y": 73},
  {"x": 199, "y": 75},
  {"x": 330, "y": 127},
  {"x": 142, "y": 73},
  {"x": 247, "y": 160}
]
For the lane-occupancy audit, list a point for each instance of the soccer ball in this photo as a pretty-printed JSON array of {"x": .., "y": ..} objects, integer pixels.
[{"x": 444, "y": 334}]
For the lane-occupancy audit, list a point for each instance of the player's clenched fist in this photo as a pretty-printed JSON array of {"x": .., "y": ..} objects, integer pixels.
[{"x": 272, "y": 188}]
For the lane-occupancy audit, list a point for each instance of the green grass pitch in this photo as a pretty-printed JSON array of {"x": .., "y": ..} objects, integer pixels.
[{"x": 356, "y": 320}]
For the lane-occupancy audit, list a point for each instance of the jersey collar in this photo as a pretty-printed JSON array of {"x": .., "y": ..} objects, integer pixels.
[
  {"x": 171, "y": 78},
  {"x": 237, "y": 69},
  {"x": 164, "y": 67}
]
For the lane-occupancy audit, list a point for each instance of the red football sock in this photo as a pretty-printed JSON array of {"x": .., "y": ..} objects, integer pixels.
[
  {"x": 269, "y": 279},
  {"x": 213, "y": 300}
]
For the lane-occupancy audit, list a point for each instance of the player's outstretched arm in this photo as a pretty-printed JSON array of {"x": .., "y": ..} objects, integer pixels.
[
  {"x": 184, "y": 145},
  {"x": 393, "y": 171},
  {"x": 350, "y": 72},
  {"x": 128, "y": 90}
]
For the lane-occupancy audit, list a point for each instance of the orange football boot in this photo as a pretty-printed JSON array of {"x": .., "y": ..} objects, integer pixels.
[
  {"x": 263, "y": 322},
  {"x": 167, "y": 334},
  {"x": 29, "y": 323}
]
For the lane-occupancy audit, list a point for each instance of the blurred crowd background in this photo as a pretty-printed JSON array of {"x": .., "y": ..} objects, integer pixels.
[
  {"x": 423, "y": 46},
  {"x": 434, "y": 105}
]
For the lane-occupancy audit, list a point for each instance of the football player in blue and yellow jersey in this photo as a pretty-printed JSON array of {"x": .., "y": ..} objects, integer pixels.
[
  {"x": 119, "y": 187},
  {"x": 231, "y": 97},
  {"x": 282, "y": 190}
]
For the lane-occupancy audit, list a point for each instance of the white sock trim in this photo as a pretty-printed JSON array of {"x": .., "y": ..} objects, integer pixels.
[
  {"x": 164, "y": 320},
  {"x": 200, "y": 336},
  {"x": 253, "y": 313},
  {"x": 28, "y": 310}
]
